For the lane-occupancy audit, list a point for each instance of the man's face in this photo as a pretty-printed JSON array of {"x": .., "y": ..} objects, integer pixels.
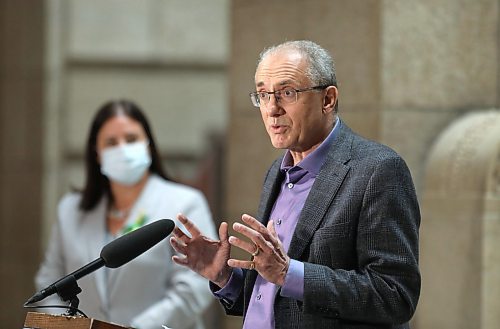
[{"x": 301, "y": 126}]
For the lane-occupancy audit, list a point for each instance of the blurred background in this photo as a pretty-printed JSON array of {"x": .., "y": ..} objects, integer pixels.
[{"x": 421, "y": 76}]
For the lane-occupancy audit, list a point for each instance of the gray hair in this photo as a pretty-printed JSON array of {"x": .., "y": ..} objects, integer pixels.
[{"x": 321, "y": 68}]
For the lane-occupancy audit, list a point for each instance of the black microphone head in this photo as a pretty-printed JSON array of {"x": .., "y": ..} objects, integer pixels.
[{"x": 129, "y": 246}]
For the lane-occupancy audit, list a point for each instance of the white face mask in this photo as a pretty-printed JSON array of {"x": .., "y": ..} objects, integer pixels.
[{"x": 125, "y": 164}]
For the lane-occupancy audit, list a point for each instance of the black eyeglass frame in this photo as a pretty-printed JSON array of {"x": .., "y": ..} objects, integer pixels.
[{"x": 277, "y": 94}]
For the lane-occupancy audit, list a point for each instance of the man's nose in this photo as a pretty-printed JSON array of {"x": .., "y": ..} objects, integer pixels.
[{"x": 273, "y": 106}]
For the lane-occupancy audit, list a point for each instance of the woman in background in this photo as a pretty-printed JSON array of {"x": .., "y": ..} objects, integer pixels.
[{"x": 125, "y": 189}]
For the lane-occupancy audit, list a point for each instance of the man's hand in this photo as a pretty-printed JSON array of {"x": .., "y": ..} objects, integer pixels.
[
  {"x": 203, "y": 255},
  {"x": 269, "y": 259}
]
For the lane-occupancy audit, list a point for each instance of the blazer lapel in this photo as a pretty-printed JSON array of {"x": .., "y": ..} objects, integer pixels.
[
  {"x": 270, "y": 191},
  {"x": 323, "y": 191}
]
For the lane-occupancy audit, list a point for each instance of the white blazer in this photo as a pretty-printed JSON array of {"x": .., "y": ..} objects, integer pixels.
[{"x": 150, "y": 290}]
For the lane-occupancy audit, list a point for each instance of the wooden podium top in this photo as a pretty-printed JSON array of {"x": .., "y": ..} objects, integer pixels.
[{"x": 35, "y": 320}]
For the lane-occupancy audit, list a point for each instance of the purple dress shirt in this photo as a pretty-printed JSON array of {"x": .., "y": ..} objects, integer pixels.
[{"x": 286, "y": 211}]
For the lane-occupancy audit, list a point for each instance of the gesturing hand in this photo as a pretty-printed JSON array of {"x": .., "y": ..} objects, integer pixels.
[
  {"x": 203, "y": 255},
  {"x": 269, "y": 259}
]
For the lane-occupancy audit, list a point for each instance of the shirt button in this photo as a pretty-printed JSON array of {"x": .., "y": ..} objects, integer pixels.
[
  {"x": 259, "y": 296},
  {"x": 290, "y": 185},
  {"x": 278, "y": 221}
]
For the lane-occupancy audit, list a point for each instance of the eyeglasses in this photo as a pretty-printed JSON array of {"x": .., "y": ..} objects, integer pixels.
[{"x": 286, "y": 95}]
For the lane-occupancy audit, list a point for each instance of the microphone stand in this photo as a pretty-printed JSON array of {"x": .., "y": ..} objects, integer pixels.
[
  {"x": 67, "y": 289},
  {"x": 114, "y": 254}
]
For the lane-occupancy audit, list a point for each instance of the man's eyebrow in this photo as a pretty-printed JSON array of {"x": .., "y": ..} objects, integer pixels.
[
  {"x": 286, "y": 82},
  {"x": 281, "y": 83}
]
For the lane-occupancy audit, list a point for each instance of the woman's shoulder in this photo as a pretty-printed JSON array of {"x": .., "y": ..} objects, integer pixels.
[
  {"x": 174, "y": 187},
  {"x": 70, "y": 202}
]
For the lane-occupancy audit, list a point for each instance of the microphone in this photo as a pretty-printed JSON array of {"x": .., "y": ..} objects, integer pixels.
[{"x": 115, "y": 254}]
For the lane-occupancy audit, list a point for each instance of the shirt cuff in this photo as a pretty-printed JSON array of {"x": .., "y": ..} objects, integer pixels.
[
  {"x": 293, "y": 287},
  {"x": 231, "y": 290}
]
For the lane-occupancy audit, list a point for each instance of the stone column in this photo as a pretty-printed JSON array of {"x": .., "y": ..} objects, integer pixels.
[
  {"x": 460, "y": 233},
  {"x": 21, "y": 113}
]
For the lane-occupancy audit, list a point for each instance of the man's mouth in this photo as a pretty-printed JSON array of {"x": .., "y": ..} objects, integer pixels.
[{"x": 278, "y": 129}]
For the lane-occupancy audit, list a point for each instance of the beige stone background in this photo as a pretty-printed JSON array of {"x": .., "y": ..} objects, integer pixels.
[{"x": 421, "y": 76}]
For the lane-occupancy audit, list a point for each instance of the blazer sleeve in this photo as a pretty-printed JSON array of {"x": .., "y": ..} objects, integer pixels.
[
  {"x": 383, "y": 284},
  {"x": 188, "y": 295}
]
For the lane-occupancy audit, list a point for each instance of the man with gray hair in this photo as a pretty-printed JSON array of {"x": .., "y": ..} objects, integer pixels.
[{"x": 334, "y": 243}]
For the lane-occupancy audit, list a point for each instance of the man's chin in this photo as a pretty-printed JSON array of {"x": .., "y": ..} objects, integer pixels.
[{"x": 279, "y": 144}]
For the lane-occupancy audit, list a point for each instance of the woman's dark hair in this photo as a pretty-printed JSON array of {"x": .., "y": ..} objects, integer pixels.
[{"x": 96, "y": 183}]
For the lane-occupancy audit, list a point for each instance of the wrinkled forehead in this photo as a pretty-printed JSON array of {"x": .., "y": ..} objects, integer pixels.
[{"x": 281, "y": 66}]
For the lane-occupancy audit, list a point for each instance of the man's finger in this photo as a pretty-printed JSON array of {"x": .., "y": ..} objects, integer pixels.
[
  {"x": 180, "y": 260},
  {"x": 178, "y": 246},
  {"x": 271, "y": 229},
  {"x": 253, "y": 223},
  {"x": 240, "y": 263},
  {"x": 259, "y": 227},
  {"x": 190, "y": 227},
  {"x": 223, "y": 231},
  {"x": 258, "y": 239},
  {"x": 180, "y": 235},
  {"x": 249, "y": 247}
]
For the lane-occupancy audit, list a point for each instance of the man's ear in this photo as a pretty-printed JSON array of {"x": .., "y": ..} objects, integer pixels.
[{"x": 330, "y": 99}]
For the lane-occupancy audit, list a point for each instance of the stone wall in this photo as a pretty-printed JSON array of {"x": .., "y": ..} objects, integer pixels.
[{"x": 439, "y": 60}]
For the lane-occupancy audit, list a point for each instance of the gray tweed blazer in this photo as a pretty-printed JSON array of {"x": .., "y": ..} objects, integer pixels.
[{"x": 358, "y": 238}]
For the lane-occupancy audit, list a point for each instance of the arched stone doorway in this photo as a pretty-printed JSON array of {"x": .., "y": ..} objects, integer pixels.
[{"x": 460, "y": 231}]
